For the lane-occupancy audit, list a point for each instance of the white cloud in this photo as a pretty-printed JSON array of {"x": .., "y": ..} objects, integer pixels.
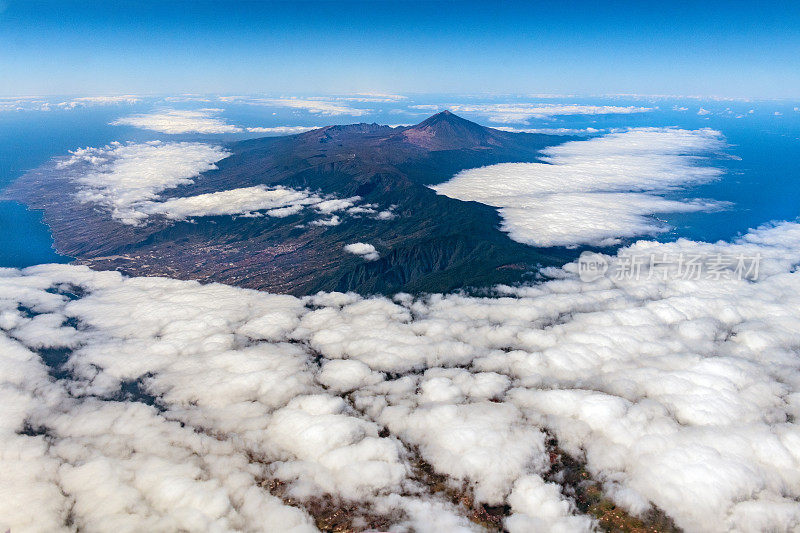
[
  {"x": 279, "y": 202},
  {"x": 316, "y": 106},
  {"x": 128, "y": 180},
  {"x": 38, "y": 103},
  {"x": 703, "y": 112},
  {"x": 336, "y": 204},
  {"x": 594, "y": 191},
  {"x": 282, "y": 130},
  {"x": 333, "y": 221},
  {"x": 552, "y": 131},
  {"x": 536, "y": 506},
  {"x": 680, "y": 392},
  {"x": 367, "y": 251},
  {"x": 87, "y": 101},
  {"x": 709, "y": 98},
  {"x": 188, "y": 98},
  {"x": 123, "y": 177},
  {"x": 24, "y": 103},
  {"x": 374, "y": 97},
  {"x": 387, "y": 214},
  {"x": 522, "y": 113},
  {"x": 595, "y": 218},
  {"x": 176, "y": 121}
]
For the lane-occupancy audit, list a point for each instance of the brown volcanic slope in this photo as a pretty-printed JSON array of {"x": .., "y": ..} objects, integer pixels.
[{"x": 435, "y": 243}]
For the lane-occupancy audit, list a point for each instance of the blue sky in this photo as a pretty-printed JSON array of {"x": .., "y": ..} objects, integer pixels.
[{"x": 585, "y": 48}]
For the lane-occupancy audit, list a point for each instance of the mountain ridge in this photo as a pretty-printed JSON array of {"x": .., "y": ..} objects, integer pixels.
[{"x": 431, "y": 244}]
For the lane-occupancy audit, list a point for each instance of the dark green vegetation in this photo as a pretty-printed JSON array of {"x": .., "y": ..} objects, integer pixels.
[{"x": 433, "y": 244}]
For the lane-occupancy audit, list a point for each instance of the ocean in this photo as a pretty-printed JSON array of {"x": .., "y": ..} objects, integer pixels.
[{"x": 761, "y": 182}]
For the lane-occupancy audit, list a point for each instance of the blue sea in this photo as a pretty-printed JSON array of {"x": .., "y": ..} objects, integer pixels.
[{"x": 762, "y": 162}]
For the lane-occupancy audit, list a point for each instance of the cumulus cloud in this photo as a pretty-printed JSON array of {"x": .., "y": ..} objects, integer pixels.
[
  {"x": 367, "y": 251},
  {"x": 24, "y": 103},
  {"x": 594, "y": 191},
  {"x": 336, "y": 204},
  {"x": 177, "y": 121},
  {"x": 122, "y": 177},
  {"x": 275, "y": 201},
  {"x": 36, "y": 103},
  {"x": 278, "y": 201},
  {"x": 157, "y": 404},
  {"x": 536, "y": 506},
  {"x": 702, "y": 111},
  {"x": 333, "y": 221},
  {"x": 522, "y": 113},
  {"x": 128, "y": 180}
]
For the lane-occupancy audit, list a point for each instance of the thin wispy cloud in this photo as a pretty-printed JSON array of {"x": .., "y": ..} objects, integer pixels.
[
  {"x": 316, "y": 106},
  {"x": 281, "y": 130},
  {"x": 521, "y": 113},
  {"x": 427, "y": 107},
  {"x": 88, "y": 101},
  {"x": 374, "y": 97},
  {"x": 552, "y": 131}
]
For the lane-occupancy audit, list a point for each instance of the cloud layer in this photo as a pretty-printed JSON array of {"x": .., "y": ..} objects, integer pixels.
[
  {"x": 552, "y": 131},
  {"x": 156, "y": 404},
  {"x": 282, "y": 130},
  {"x": 124, "y": 177},
  {"x": 275, "y": 201},
  {"x": 205, "y": 121},
  {"x": 314, "y": 105},
  {"x": 177, "y": 121},
  {"x": 128, "y": 179},
  {"x": 89, "y": 101},
  {"x": 521, "y": 113},
  {"x": 594, "y": 191}
]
